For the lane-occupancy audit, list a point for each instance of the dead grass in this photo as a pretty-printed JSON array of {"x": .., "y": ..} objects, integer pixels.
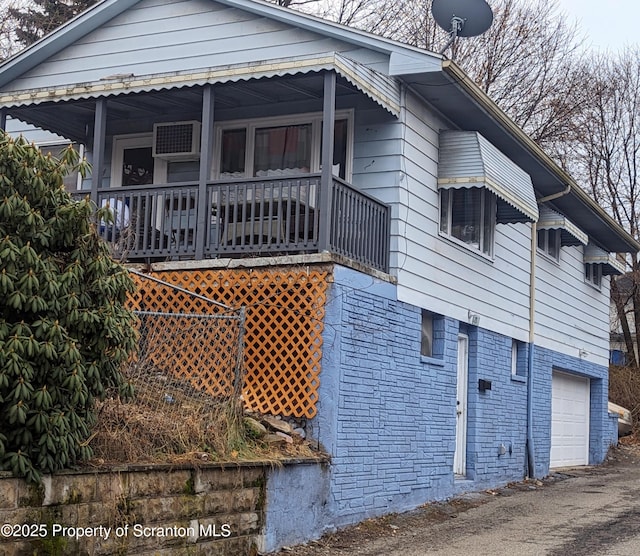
[
  {"x": 132, "y": 432},
  {"x": 196, "y": 429},
  {"x": 624, "y": 388}
]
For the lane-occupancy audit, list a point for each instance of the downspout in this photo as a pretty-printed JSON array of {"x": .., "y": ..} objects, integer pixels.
[
  {"x": 553, "y": 196},
  {"x": 531, "y": 459}
]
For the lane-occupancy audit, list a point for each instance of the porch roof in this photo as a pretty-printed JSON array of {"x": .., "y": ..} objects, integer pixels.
[{"x": 380, "y": 88}]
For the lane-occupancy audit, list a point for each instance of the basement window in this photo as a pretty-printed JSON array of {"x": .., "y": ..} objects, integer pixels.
[
  {"x": 518, "y": 358},
  {"x": 431, "y": 335}
]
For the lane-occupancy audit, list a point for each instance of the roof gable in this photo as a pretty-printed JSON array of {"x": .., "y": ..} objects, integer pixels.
[
  {"x": 158, "y": 38},
  {"x": 146, "y": 37}
]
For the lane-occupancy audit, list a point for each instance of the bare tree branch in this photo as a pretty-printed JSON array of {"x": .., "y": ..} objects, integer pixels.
[{"x": 8, "y": 39}]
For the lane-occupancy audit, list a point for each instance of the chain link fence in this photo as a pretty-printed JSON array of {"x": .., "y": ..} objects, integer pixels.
[
  {"x": 187, "y": 357},
  {"x": 187, "y": 377}
]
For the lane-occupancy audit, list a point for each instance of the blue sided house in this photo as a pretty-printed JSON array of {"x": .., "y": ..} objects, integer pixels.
[{"x": 465, "y": 338}]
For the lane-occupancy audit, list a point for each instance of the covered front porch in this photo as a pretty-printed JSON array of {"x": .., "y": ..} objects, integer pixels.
[
  {"x": 233, "y": 168},
  {"x": 245, "y": 218}
]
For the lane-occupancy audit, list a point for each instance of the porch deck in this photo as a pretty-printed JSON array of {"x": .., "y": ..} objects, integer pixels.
[{"x": 246, "y": 217}]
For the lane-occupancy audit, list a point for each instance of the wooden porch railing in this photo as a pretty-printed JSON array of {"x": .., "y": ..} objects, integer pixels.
[
  {"x": 245, "y": 217},
  {"x": 360, "y": 226}
]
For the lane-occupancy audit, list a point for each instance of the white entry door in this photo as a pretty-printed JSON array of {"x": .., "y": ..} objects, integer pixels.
[
  {"x": 569, "y": 420},
  {"x": 460, "y": 455}
]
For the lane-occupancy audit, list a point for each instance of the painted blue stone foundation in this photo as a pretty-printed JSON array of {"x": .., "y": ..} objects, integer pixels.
[{"x": 387, "y": 415}]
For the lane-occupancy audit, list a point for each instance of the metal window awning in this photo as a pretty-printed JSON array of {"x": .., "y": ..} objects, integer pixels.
[
  {"x": 610, "y": 264},
  {"x": 570, "y": 234},
  {"x": 467, "y": 159}
]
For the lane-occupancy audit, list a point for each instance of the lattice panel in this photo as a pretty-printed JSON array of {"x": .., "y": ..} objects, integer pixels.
[
  {"x": 187, "y": 345},
  {"x": 283, "y": 329},
  {"x": 200, "y": 352}
]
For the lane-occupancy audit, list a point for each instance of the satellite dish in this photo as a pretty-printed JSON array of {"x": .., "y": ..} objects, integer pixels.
[{"x": 462, "y": 18}]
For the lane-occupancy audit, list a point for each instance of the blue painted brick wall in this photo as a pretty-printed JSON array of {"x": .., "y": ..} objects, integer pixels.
[
  {"x": 600, "y": 430},
  {"x": 387, "y": 415},
  {"x": 497, "y": 417}
]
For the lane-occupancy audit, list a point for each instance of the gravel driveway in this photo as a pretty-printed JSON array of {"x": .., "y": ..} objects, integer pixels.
[{"x": 586, "y": 511}]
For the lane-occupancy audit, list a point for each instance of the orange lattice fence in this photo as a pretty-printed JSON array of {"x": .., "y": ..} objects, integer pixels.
[
  {"x": 188, "y": 345},
  {"x": 284, "y": 311}
]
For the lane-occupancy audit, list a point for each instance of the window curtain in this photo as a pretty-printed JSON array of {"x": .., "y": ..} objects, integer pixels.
[
  {"x": 234, "y": 145},
  {"x": 282, "y": 150}
]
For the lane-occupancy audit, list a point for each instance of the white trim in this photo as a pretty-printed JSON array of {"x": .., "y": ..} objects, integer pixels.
[
  {"x": 134, "y": 141},
  {"x": 226, "y": 74},
  {"x": 56, "y": 143},
  {"x": 462, "y": 391}
]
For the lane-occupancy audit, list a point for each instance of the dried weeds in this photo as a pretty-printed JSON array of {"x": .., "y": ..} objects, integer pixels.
[{"x": 168, "y": 422}]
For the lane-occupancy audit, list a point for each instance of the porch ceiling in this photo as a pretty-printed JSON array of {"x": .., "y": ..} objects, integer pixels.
[{"x": 131, "y": 113}]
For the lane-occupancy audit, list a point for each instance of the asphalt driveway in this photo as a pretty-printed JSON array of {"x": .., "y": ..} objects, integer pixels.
[{"x": 587, "y": 511}]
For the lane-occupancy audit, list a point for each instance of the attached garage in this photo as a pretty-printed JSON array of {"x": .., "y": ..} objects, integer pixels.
[{"x": 569, "y": 420}]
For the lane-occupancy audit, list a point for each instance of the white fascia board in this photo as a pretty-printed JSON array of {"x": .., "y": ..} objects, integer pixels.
[{"x": 403, "y": 63}]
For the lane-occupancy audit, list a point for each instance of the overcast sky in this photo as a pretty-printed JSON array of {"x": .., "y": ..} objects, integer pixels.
[{"x": 607, "y": 24}]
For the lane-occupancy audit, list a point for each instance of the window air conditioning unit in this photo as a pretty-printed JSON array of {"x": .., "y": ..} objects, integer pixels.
[{"x": 177, "y": 140}]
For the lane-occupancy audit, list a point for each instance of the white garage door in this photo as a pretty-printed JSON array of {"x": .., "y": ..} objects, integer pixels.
[{"x": 569, "y": 420}]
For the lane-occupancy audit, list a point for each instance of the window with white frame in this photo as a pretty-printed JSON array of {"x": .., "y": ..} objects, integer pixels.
[
  {"x": 549, "y": 243},
  {"x": 518, "y": 358},
  {"x": 426, "y": 334},
  {"x": 431, "y": 335},
  {"x": 593, "y": 274},
  {"x": 468, "y": 215},
  {"x": 132, "y": 161},
  {"x": 280, "y": 146}
]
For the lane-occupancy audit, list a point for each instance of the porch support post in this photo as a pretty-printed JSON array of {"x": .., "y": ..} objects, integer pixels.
[
  {"x": 326, "y": 177},
  {"x": 3, "y": 119},
  {"x": 99, "y": 139},
  {"x": 206, "y": 150}
]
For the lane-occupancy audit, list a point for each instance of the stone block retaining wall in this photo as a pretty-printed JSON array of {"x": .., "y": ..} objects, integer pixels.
[{"x": 159, "y": 510}]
